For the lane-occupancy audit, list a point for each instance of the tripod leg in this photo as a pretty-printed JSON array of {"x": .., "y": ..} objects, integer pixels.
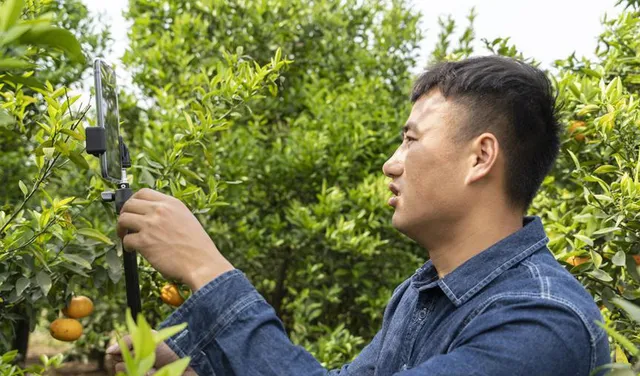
[{"x": 130, "y": 261}]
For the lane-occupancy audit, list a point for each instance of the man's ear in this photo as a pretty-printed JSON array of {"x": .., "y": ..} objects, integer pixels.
[{"x": 483, "y": 156}]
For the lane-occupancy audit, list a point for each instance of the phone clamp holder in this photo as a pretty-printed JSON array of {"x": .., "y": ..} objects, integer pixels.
[{"x": 96, "y": 146}]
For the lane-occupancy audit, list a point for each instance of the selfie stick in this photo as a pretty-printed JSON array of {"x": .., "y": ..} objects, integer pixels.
[{"x": 96, "y": 145}]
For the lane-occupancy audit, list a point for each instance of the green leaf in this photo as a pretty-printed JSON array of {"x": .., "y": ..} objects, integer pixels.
[
  {"x": 575, "y": 160},
  {"x": 126, "y": 356},
  {"x": 163, "y": 334},
  {"x": 606, "y": 230},
  {"x": 626, "y": 371},
  {"x": 622, "y": 340},
  {"x": 601, "y": 275},
  {"x": 76, "y": 269},
  {"x": 176, "y": 368},
  {"x": 94, "y": 234},
  {"x": 596, "y": 258},
  {"x": 113, "y": 261},
  {"x": 23, "y": 188},
  {"x": 631, "y": 309},
  {"x": 78, "y": 260},
  {"x": 26, "y": 81},
  {"x": 5, "y": 118},
  {"x": 79, "y": 160},
  {"x": 13, "y": 63},
  {"x": 585, "y": 239},
  {"x": 619, "y": 259},
  {"x": 10, "y": 13},
  {"x": 605, "y": 169},
  {"x": 78, "y": 136},
  {"x": 591, "y": 72},
  {"x": 51, "y": 36},
  {"x": 147, "y": 343},
  {"x": 21, "y": 285},
  {"x": 44, "y": 281}
]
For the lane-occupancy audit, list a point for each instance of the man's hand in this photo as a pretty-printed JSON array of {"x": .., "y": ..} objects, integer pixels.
[
  {"x": 169, "y": 236},
  {"x": 164, "y": 356}
]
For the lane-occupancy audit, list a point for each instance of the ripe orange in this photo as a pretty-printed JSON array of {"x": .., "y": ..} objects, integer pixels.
[
  {"x": 574, "y": 127},
  {"x": 65, "y": 329},
  {"x": 577, "y": 260},
  {"x": 637, "y": 259},
  {"x": 80, "y": 306},
  {"x": 170, "y": 295}
]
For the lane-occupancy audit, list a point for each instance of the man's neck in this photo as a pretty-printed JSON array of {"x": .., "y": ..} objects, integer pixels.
[{"x": 470, "y": 237}]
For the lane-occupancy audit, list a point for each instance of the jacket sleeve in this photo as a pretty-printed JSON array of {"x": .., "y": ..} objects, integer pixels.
[{"x": 232, "y": 330}]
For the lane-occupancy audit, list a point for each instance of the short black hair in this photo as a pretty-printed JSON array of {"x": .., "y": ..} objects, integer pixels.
[{"x": 513, "y": 100}]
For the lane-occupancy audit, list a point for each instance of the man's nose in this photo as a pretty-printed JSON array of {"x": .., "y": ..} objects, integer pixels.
[{"x": 393, "y": 167}]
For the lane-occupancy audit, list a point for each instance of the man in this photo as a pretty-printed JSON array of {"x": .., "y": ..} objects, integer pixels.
[{"x": 492, "y": 299}]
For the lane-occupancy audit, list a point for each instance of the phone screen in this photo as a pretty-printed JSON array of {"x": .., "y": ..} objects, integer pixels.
[{"x": 107, "y": 111}]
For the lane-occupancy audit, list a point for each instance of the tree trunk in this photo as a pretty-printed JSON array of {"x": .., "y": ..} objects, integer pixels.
[
  {"x": 21, "y": 341},
  {"x": 279, "y": 292}
]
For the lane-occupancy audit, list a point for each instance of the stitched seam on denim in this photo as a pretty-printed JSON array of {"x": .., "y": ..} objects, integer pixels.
[
  {"x": 195, "y": 360},
  {"x": 545, "y": 291},
  {"x": 418, "y": 328},
  {"x": 593, "y": 337},
  {"x": 506, "y": 265},
  {"x": 548, "y": 284},
  {"x": 535, "y": 273},
  {"x": 176, "y": 347},
  {"x": 531, "y": 271},
  {"x": 448, "y": 291}
]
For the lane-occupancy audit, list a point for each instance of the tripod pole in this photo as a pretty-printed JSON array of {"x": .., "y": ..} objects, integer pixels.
[{"x": 130, "y": 258}]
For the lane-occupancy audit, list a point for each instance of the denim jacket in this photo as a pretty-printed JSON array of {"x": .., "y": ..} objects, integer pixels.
[{"x": 510, "y": 310}]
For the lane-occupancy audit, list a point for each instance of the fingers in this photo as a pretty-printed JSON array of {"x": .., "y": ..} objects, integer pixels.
[
  {"x": 121, "y": 367},
  {"x": 129, "y": 222},
  {"x": 150, "y": 195},
  {"x": 115, "y": 348},
  {"x": 137, "y": 206},
  {"x": 133, "y": 242}
]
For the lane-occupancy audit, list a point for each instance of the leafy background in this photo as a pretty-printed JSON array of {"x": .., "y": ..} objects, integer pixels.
[{"x": 271, "y": 120}]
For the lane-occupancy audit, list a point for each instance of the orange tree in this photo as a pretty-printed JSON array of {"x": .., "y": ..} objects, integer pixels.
[{"x": 55, "y": 234}]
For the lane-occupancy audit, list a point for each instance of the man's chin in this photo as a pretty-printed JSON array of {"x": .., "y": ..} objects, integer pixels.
[
  {"x": 405, "y": 225},
  {"x": 397, "y": 222}
]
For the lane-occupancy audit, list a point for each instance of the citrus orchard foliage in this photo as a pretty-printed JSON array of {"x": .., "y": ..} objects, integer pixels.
[
  {"x": 271, "y": 120},
  {"x": 306, "y": 219},
  {"x": 53, "y": 234}
]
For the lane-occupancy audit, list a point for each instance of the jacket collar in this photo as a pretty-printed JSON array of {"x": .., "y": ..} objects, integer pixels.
[{"x": 466, "y": 280}]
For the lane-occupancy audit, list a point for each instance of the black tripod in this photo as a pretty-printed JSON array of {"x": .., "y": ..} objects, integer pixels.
[{"x": 96, "y": 145}]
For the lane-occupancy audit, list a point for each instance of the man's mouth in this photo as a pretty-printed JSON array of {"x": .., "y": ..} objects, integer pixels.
[{"x": 393, "y": 201}]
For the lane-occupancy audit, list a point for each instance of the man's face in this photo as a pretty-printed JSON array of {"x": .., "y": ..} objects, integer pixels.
[{"x": 428, "y": 169}]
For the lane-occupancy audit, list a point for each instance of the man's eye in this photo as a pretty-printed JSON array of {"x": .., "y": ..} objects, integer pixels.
[{"x": 408, "y": 139}]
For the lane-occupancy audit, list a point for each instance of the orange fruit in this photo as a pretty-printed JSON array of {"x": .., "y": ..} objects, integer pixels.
[
  {"x": 577, "y": 260},
  {"x": 65, "y": 329},
  {"x": 79, "y": 307},
  {"x": 574, "y": 127},
  {"x": 637, "y": 259},
  {"x": 170, "y": 295}
]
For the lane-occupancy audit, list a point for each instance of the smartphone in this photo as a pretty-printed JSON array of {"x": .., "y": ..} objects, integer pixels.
[{"x": 109, "y": 119}]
